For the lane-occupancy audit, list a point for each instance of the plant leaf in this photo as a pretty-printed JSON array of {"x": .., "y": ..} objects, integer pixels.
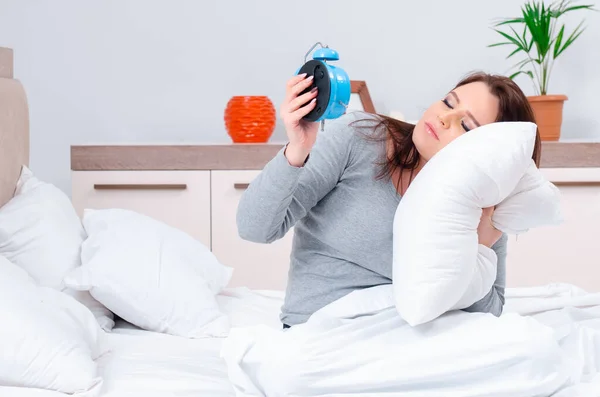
[
  {"x": 538, "y": 20},
  {"x": 540, "y": 29},
  {"x": 520, "y": 39},
  {"x": 563, "y": 11},
  {"x": 510, "y": 38},
  {"x": 510, "y": 21},
  {"x": 514, "y": 52},
  {"x": 581, "y": 7},
  {"x": 576, "y": 33},
  {"x": 558, "y": 41},
  {"x": 527, "y": 45},
  {"x": 525, "y": 62},
  {"x": 527, "y": 72},
  {"x": 530, "y": 17}
]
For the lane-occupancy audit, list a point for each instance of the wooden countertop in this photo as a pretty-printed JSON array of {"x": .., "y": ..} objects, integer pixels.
[{"x": 255, "y": 156}]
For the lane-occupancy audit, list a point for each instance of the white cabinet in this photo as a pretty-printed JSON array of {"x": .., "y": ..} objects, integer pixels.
[
  {"x": 179, "y": 198},
  {"x": 262, "y": 266},
  {"x": 568, "y": 253},
  {"x": 204, "y": 204}
]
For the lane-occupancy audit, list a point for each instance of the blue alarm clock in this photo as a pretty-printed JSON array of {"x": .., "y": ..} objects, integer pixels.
[{"x": 333, "y": 83}]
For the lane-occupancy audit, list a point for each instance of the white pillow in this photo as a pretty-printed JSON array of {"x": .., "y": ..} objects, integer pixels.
[
  {"x": 534, "y": 196},
  {"x": 151, "y": 275},
  {"x": 48, "y": 339},
  {"x": 438, "y": 264},
  {"x": 41, "y": 233}
]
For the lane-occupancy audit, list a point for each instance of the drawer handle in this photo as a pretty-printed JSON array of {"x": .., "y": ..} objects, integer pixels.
[
  {"x": 577, "y": 183},
  {"x": 241, "y": 186},
  {"x": 140, "y": 186}
]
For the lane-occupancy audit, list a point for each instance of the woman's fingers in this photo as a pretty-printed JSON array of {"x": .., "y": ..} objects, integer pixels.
[
  {"x": 303, "y": 111},
  {"x": 296, "y": 87},
  {"x": 295, "y": 107},
  {"x": 302, "y": 85},
  {"x": 302, "y": 100},
  {"x": 291, "y": 83},
  {"x": 295, "y": 80}
]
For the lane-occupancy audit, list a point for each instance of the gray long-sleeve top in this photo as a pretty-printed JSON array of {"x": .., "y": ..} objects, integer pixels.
[{"x": 342, "y": 217}]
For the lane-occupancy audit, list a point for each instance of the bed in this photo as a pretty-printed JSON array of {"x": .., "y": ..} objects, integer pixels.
[
  {"x": 135, "y": 362},
  {"x": 138, "y": 362}
]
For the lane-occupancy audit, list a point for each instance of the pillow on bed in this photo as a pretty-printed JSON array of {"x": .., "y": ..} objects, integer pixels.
[
  {"x": 438, "y": 264},
  {"x": 41, "y": 233},
  {"x": 48, "y": 339},
  {"x": 151, "y": 274}
]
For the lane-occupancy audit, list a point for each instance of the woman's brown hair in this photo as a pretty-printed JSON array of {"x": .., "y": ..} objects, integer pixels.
[{"x": 514, "y": 106}]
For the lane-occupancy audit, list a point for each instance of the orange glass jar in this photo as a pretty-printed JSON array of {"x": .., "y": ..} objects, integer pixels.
[{"x": 250, "y": 119}]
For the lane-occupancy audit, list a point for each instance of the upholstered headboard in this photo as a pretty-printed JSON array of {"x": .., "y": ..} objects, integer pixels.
[{"x": 14, "y": 127}]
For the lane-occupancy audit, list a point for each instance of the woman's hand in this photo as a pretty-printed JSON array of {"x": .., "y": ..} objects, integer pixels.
[
  {"x": 488, "y": 234},
  {"x": 302, "y": 134}
]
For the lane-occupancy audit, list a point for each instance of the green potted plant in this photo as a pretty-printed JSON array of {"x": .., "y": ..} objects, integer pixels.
[{"x": 542, "y": 41}]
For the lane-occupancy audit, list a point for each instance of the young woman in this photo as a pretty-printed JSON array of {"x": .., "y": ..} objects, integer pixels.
[{"x": 339, "y": 189}]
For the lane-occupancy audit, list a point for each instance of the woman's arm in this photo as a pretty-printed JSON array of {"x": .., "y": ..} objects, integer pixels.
[
  {"x": 282, "y": 193},
  {"x": 493, "y": 302}
]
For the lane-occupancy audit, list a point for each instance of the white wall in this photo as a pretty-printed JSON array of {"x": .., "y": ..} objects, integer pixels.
[{"x": 162, "y": 71}]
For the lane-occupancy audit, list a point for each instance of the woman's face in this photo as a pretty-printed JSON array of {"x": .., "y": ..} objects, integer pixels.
[{"x": 463, "y": 109}]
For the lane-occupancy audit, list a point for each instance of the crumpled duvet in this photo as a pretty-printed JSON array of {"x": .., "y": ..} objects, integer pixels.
[{"x": 546, "y": 343}]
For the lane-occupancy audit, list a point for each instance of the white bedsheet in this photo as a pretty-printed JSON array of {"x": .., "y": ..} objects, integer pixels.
[
  {"x": 547, "y": 343},
  {"x": 148, "y": 364},
  {"x": 574, "y": 315},
  {"x": 140, "y": 363}
]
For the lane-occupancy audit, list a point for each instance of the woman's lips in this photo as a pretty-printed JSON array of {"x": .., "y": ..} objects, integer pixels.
[{"x": 431, "y": 130}]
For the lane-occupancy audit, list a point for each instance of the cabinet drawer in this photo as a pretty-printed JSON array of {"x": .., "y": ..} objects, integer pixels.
[
  {"x": 257, "y": 266},
  {"x": 178, "y": 198},
  {"x": 567, "y": 253}
]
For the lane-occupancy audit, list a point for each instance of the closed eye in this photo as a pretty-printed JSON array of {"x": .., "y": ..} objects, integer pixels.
[{"x": 462, "y": 122}]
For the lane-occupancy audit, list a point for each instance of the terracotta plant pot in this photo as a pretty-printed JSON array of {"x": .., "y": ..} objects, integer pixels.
[
  {"x": 548, "y": 111},
  {"x": 250, "y": 119}
]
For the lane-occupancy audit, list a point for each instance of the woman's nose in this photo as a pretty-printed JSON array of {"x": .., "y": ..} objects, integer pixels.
[
  {"x": 447, "y": 118},
  {"x": 444, "y": 121}
]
